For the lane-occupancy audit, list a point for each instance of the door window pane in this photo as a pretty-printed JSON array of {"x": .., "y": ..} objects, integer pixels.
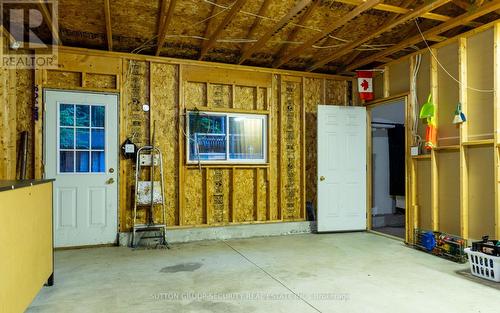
[
  {"x": 98, "y": 162},
  {"x": 98, "y": 116},
  {"x": 83, "y": 115},
  {"x": 82, "y": 161},
  {"x": 82, "y": 138},
  {"x": 66, "y": 161},
  {"x": 98, "y": 139},
  {"x": 66, "y": 114},
  {"x": 66, "y": 138},
  {"x": 246, "y": 138}
]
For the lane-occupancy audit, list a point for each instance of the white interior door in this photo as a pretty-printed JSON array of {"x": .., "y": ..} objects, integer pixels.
[
  {"x": 81, "y": 153},
  {"x": 341, "y": 168}
]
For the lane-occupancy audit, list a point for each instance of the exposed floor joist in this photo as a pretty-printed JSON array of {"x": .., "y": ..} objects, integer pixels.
[
  {"x": 165, "y": 19},
  {"x": 282, "y": 22},
  {"x": 253, "y": 28},
  {"x": 459, "y": 20},
  {"x": 109, "y": 33},
  {"x": 338, "y": 23},
  {"x": 386, "y": 27},
  {"x": 293, "y": 34},
  {"x": 235, "y": 8}
]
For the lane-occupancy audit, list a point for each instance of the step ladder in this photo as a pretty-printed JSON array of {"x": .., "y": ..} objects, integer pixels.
[{"x": 149, "y": 194}]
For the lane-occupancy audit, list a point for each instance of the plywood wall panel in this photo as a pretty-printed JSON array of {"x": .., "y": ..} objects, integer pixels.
[
  {"x": 195, "y": 94},
  {"x": 480, "y": 76},
  {"x": 220, "y": 95},
  {"x": 194, "y": 211},
  {"x": 424, "y": 194},
  {"x": 62, "y": 79},
  {"x": 335, "y": 92},
  {"x": 165, "y": 116},
  {"x": 481, "y": 192},
  {"x": 100, "y": 81},
  {"x": 245, "y": 97},
  {"x": 448, "y": 95},
  {"x": 291, "y": 102},
  {"x": 244, "y": 195},
  {"x": 25, "y": 120},
  {"x": 449, "y": 191},
  {"x": 399, "y": 77},
  {"x": 423, "y": 89}
]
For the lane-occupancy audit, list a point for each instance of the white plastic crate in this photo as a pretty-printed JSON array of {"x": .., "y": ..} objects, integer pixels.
[{"x": 483, "y": 265}]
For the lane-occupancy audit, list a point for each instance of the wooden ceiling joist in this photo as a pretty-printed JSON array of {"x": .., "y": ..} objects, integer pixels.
[
  {"x": 295, "y": 31},
  {"x": 165, "y": 19},
  {"x": 109, "y": 32},
  {"x": 385, "y": 28},
  {"x": 333, "y": 26},
  {"x": 235, "y": 8},
  {"x": 47, "y": 17},
  {"x": 262, "y": 11},
  {"x": 435, "y": 31},
  {"x": 282, "y": 22}
]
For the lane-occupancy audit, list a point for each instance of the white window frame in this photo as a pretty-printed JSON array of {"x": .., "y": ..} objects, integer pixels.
[{"x": 265, "y": 134}]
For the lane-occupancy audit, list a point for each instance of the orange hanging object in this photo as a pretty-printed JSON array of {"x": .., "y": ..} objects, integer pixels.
[{"x": 430, "y": 136}]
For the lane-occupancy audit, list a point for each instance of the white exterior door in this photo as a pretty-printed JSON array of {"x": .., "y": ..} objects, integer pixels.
[
  {"x": 341, "y": 168},
  {"x": 81, "y": 153}
]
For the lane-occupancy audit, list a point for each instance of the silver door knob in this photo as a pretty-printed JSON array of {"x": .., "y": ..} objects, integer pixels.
[
  {"x": 322, "y": 178},
  {"x": 110, "y": 181}
]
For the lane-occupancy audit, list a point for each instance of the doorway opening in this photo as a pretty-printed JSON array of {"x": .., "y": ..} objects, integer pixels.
[{"x": 388, "y": 168}]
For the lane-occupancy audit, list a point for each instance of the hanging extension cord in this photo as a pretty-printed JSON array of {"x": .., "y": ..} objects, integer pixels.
[{"x": 272, "y": 277}]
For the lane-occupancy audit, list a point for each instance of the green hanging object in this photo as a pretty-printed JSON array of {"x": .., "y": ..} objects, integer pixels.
[
  {"x": 459, "y": 115},
  {"x": 427, "y": 110}
]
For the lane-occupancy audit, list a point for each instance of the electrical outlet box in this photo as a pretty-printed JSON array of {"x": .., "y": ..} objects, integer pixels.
[{"x": 414, "y": 151}]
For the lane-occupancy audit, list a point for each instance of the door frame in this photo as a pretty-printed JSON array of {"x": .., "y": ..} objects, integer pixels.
[
  {"x": 118, "y": 176},
  {"x": 369, "y": 175}
]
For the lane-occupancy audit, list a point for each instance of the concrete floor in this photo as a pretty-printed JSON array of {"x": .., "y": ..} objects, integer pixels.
[{"x": 349, "y": 272}]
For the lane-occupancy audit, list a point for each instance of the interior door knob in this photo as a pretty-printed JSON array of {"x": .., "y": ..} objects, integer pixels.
[
  {"x": 110, "y": 181},
  {"x": 322, "y": 178}
]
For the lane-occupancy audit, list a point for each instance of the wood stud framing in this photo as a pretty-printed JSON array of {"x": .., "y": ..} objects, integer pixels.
[
  {"x": 276, "y": 27},
  {"x": 452, "y": 23},
  {"x": 333, "y": 26},
  {"x": 165, "y": 19},
  {"x": 109, "y": 33},
  {"x": 235, "y": 8}
]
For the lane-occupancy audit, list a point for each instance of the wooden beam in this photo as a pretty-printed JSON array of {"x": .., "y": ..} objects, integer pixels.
[
  {"x": 235, "y": 8},
  {"x": 426, "y": 7},
  {"x": 293, "y": 34},
  {"x": 280, "y": 24},
  {"x": 333, "y": 26},
  {"x": 109, "y": 33},
  {"x": 47, "y": 17},
  {"x": 165, "y": 19},
  {"x": 256, "y": 22},
  {"x": 459, "y": 20}
]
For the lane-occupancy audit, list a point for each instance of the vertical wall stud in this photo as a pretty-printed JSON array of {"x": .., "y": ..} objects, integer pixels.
[
  {"x": 434, "y": 161},
  {"x": 464, "y": 173}
]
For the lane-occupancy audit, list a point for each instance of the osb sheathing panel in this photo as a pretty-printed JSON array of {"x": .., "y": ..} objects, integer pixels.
[
  {"x": 424, "y": 194},
  {"x": 164, "y": 115},
  {"x": 449, "y": 191},
  {"x": 313, "y": 97},
  {"x": 262, "y": 194},
  {"x": 291, "y": 103},
  {"x": 194, "y": 197},
  {"x": 245, "y": 98},
  {"x": 448, "y": 133},
  {"x": 274, "y": 150},
  {"x": 481, "y": 192},
  {"x": 399, "y": 77},
  {"x": 335, "y": 92},
  {"x": 195, "y": 94},
  {"x": 243, "y": 194},
  {"x": 261, "y": 99},
  {"x": 100, "y": 81},
  {"x": 64, "y": 79},
  {"x": 220, "y": 95},
  {"x": 218, "y": 186},
  {"x": 7, "y": 123},
  {"x": 24, "y": 105},
  {"x": 378, "y": 85},
  {"x": 480, "y": 73},
  {"x": 136, "y": 125}
]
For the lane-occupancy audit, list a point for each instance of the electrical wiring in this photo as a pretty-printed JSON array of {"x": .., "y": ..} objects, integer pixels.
[{"x": 445, "y": 70}]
